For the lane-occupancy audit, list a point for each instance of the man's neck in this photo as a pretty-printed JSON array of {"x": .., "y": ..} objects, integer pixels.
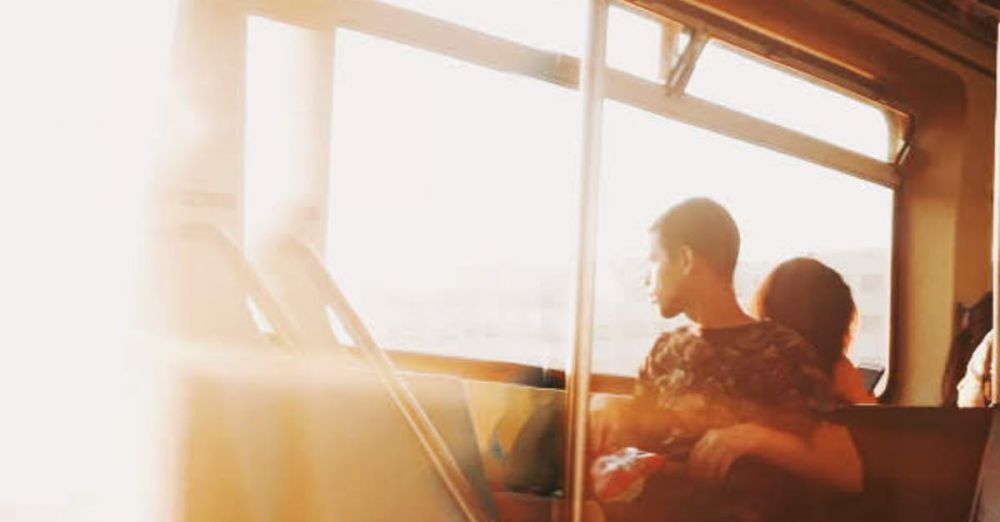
[{"x": 717, "y": 307}]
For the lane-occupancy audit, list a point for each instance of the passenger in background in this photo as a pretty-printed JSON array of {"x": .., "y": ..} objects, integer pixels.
[
  {"x": 974, "y": 388},
  {"x": 813, "y": 299},
  {"x": 734, "y": 402},
  {"x": 966, "y": 365}
]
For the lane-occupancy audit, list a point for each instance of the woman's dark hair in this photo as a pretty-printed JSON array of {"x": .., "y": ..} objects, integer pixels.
[{"x": 812, "y": 299}]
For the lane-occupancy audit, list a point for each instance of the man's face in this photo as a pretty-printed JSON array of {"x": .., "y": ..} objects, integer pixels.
[{"x": 665, "y": 279}]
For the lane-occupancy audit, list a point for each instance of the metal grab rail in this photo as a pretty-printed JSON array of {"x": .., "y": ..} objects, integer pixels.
[
  {"x": 286, "y": 334},
  {"x": 428, "y": 435},
  {"x": 592, "y": 75}
]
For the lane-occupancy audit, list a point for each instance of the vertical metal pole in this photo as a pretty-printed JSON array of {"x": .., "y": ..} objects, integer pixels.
[
  {"x": 994, "y": 392},
  {"x": 592, "y": 69}
]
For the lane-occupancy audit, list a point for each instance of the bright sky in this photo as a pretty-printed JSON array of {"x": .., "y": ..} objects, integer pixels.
[
  {"x": 651, "y": 162},
  {"x": 769, "y": 93},
  {"x": 456, "y": 168},
  {"x": 495, "y": 152},
  {"x": 83, "y": 91}
]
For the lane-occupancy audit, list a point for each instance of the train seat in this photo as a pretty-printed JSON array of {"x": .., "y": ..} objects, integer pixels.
[
  {"x": 986, "y": 507},
  {"x": 296, "y": 439},
  {"x": 921, "y": 463}
]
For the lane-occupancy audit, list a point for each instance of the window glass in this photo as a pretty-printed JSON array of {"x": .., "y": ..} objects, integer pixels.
[
  {"x": 683, "y": 39},
  {"x": 551, "y": 25},
  {"x": 452, "y": 202},
  {"x": 739, "y": 82},
  {"x": 784, "y": 207},
  {"x": 634, "y": 43}
]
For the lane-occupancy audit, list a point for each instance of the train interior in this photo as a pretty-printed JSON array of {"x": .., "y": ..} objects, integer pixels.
[{"x": 383, "y": 254}]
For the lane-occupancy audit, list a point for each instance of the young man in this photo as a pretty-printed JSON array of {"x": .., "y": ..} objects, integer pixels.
[{"x": 735, "y": 402}]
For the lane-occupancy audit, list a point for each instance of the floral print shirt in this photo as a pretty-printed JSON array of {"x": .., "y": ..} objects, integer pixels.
[
  {"x": 715, "y": 378},
  {"x": 760, "y": 372}
]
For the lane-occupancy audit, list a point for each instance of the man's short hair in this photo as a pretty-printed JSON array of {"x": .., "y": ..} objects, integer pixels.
[{"x": 706, "y": 227}]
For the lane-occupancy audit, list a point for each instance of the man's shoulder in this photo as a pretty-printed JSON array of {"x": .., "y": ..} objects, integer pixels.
[
  {"x": 676, "y": 337},
  {"x": 771, "y": 339},
  {"x": 780, "y": 335},
  {"x": 760, "y": 339},
  {"x": 764, "y": 338},
  {"x": 762, "y": 332}
]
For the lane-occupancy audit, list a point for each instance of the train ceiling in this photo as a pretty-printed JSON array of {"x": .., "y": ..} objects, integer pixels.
[{"x": 977, "y": 18}]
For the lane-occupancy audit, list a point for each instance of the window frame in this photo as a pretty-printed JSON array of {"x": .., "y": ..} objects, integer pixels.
[
  {"x": 669, "y": 101},
  {"x": 793, "y": 58},
  {"x": 443, "y": 37}
]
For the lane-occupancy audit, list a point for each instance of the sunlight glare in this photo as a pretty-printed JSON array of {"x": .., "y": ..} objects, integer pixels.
[
  {"x": 454, "y": 194},
  {"x": 80, "y": 405}
]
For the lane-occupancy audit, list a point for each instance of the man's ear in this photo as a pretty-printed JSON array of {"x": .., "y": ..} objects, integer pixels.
[{"x": 686, "y": 259}]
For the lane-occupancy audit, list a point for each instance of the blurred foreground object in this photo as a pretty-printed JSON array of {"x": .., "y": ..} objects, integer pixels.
[{"x": 274, "y": 438}]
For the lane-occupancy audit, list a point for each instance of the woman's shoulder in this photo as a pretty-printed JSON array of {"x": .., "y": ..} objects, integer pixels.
[{"x": 848, "y": 383}]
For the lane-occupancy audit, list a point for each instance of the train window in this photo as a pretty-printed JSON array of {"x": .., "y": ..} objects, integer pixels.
[
  {"x": 784, "y": 207},
  {"x": 737, "y": 81},
  {"x": 451, "y": 202},
  {"x": 634, "y": 43},
  {"x": 529, "y": 22}
]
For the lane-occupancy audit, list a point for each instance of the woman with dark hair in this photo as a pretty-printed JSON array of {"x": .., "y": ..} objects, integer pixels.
[{"x": 813, "y": 299}]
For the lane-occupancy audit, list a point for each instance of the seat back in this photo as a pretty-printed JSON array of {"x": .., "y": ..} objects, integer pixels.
[
  {"x": 921, "y": 463},
  {"x": 986, "y": 507},
  {"x": 446, "y": 401},
  {"x": 310, "y": 440}
]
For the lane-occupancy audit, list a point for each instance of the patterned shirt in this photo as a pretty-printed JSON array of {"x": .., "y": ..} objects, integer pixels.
[
  {"x": 715, "y": 378},
  {"x": 759, "y": 372}
]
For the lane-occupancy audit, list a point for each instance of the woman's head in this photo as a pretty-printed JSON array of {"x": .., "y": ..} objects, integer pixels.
[{"x": 812, "y": 299}]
